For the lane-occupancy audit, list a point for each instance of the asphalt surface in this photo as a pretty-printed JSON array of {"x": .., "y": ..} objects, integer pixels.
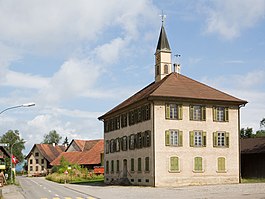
[{"x": 39, "y": 188}]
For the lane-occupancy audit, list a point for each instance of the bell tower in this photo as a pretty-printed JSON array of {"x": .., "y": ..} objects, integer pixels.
[{"x": 163, "y": 65}]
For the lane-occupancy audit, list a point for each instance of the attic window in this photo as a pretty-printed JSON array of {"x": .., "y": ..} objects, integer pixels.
[{"x": 36, "y": 154}]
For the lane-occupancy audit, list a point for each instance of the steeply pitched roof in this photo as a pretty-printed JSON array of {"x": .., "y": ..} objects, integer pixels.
[
  {"x": 48, "y": 151},
  {"x": 85, "y": 157},
  {"x": 162, "y": 41},
  {"x": 253, "y": 145},
  {"x": 178, "y": 86},
  {"x": 84, "y": 145},
  {"x": 5, "y": 151}
]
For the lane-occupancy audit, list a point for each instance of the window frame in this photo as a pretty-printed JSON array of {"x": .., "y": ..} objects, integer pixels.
[
  {"x": 198, "y": 165},
  {"x": 203, "y": 135},
  {"x": 194, "y": 109},
  {"x": 173, "y": 111},
  {"x": 217, "y": 139},
  {"x": 221, "y": 165},
  {"x": 169, "y": 137},
  {"x": 147, "y": 164},
  {"x": 217, "y": 110}
]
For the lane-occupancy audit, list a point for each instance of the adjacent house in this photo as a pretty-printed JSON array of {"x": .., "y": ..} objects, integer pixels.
[
  {"x": 40, "y": 157},
  {"x": 87, "y": 153},
  {"x": 3, "y": 155},
  {"x": 253, "y": 157},
  {"x": 176, "y": 131}
]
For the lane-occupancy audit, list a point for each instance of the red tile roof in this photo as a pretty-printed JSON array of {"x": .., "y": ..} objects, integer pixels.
[
  {"x": 83, "y": 145},
  {"x": 177, "y": 86},
  {"x": 252, "y": 145},
  {"x": 48, "y": 151},
  {"x": 90, "y": 155}
]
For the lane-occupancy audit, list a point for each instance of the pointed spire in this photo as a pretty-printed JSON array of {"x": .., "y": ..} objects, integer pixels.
[{"x": 163, "y": 42}]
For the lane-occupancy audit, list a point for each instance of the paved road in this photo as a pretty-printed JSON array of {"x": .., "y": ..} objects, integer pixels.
[{"x": 39, "y": 188}]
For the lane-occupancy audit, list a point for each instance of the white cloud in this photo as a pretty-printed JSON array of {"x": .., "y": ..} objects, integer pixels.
[
  {"x": 249, "y": 87},
  {"x": 228, "y": 18},
  {"x": 234, "y": 62}
]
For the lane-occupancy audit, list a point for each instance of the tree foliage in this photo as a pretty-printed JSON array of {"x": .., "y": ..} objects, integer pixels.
[
  {"x": 246, "y": 133},
  {"x": 65, "y": 142},
  {"x": 52, "y": 137},
  {"x": 262, "y": 123},
  {"x": 13, "y": 139}
]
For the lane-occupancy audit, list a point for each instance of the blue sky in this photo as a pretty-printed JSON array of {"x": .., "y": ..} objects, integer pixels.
[{"x": 77, "y": 60}]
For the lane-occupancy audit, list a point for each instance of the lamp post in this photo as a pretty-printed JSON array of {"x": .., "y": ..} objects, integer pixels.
[
  {"x": 11, "y": 146},
  {"x": 18, "y": 106}
]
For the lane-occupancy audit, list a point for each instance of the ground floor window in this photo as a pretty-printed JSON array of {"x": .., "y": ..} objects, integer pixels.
[
  {"x": 139, "y": 164},
  {"x": 147, "y": 164},
  {"x": 198, "y": 164},
  {"x": 174, "y": 164},
  {"x": 221, "y": 164},
  {"x": 132, "y": 165}
]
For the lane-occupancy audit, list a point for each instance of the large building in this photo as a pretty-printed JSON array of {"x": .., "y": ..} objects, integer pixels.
[{"x": 175, "y": 131}]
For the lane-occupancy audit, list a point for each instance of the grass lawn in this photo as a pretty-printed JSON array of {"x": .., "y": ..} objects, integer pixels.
[{"x": 253, "y": 180}]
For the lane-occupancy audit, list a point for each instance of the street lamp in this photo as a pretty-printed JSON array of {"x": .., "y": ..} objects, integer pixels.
[
  {"x": 22, "y": 105},
  {"x": 11, "y": 146}
]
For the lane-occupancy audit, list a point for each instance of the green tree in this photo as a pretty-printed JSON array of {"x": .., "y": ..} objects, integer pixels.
[
  {"x": 260, "y": 133},
  {"x": 14, "y": 140},
  {"x": 52, "y": 137},
  {"x": 262, "y": 123},
  {"x": 66, "y": 141},
  {"x": 246, "y": 133}
]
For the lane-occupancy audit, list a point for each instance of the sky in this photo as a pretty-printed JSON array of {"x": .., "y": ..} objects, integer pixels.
[{"x": 78, "y": 59}]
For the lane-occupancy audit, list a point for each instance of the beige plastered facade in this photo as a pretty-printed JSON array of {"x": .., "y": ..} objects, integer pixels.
[
  {"x": 34, "y": 167},
  {"x": 159, "y": 153}
]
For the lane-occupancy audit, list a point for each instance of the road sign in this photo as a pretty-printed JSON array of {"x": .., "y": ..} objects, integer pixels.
[{"x": 4, "y": 144}]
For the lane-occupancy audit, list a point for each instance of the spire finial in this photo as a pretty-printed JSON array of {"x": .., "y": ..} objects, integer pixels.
[{"x": 163, "y": 17}]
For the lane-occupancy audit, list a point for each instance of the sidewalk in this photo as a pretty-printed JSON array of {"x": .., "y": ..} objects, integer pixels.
[{"x": 11, "y": 192}]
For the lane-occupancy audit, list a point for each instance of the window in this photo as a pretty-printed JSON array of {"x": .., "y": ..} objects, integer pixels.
[
  {"x": 220, "y": 114},
  {"x": 123, "y": 120},
  {"x": 157, "y": 70},
  {"x": 112, "y": 145},
  {"x": 107, "y": 166},
  {"x": 197, "y": 138},
  {"x": 145, "y": 112},
  {"x": 147, "y": 139},
  {"x": 132, "y": 141},
  {"x": 31, "y": 168},
  {"x": 221, "y": 164},
  {"x": 36, "y": 154},
  {"x": 139, "y": 164},
  {"x": 118, "y": 166},
  {"x": 198, "y": 113},
  {"x": 173, "y": 111},
  {"x": 107, "y": 146},
  {"x": 165, "y": 69},
  {"x": 173, "y": 138},
  {"x": 37, "y": 161},
  {"x": 42, "y": 161},
  {"x": 124, "y": 143},
  {"x": 132, "y": 165},
  {"x": 117, "y": 144},
  {"x": 198, "y": 164},
  {"x": 139, "y": 140},
  {"x": 42, "y": 168},
  {"x": 37, "y": 168},
  {"x": 221, "y": 139},
  {"x": 112, "y": 166},
  {"x": 147, "y": 166},
  {"x": 174, "y": 164},
  {"x": 30, "y": 161}
]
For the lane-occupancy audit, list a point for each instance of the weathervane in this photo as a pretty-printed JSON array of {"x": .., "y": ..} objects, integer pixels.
[{"x": 163, "y": 17}]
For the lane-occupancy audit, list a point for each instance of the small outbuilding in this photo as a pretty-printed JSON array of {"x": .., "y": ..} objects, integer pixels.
[{"x": 253, "y": 157}]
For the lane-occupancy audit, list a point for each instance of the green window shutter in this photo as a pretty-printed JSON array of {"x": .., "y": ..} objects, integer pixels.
[
  {"x": 214, "y": 114},
  {"x": 203, "y": 109},
  {"x": 227, "y": 139},
  {"x": 180, "y": 134},
  {"x": 139, "y": 164},
  {"x": 198, "y": 164},
  {"x": 167, "y": 138},
  {"x": 204, "y": 138},
  {"x": 192, "y": 138},
  {"x": 167, "y": 111},
  {"x": 191, "y": 112},
  {"x": 180, "y": 113},
  {"x": 174, "y": 164},
  {"x": 132, "y": 164},
  {"x": 215, "y": 139},
  {"x": 226, "y": 114},
  {"x": 221, "y": 164}
]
